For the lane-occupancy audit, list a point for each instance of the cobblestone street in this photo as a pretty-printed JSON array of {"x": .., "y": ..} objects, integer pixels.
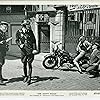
[{"x": 46, "y": 79}]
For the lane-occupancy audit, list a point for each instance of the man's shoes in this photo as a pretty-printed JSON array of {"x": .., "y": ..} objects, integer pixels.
[
  {"x": 29, "y": 81},
  {"x": 2, "y": 83},
  {"x": 25, "y": 79}
]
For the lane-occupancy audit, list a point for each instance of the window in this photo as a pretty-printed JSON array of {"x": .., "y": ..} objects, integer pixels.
[
  {"x": 91, "y": 17},
  {"x": 80, "y": 17},
  {"x": 81, "y": 32},
  {"x": 71, "y": 17},
  {"x": 14, "y": 28},
  {"x": 90, "y": 32}
]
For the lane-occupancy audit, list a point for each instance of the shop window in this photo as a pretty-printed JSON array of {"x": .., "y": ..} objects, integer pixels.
[{"x": 91, "y": 17}]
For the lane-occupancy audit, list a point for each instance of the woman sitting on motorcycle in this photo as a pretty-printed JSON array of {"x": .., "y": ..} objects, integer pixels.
[{"x": 82, "y": 47}]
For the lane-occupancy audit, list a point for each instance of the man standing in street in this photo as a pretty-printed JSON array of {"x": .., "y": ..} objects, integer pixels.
[
  {"x": 26, "y": 41},
  {"x": 3, "y": 48}
]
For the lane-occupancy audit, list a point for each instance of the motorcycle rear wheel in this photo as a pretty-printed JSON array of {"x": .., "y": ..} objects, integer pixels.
[{"x": 50, "y": 62}]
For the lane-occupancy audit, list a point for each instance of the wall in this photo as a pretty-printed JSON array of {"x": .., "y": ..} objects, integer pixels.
[{"x": 14, "y": 24}]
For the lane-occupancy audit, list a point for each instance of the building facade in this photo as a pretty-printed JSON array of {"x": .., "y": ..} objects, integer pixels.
[
  {"x": 14, "y": 14},
  {"x": 64, "y": 23},
  {"x": 82, "y": 20}
]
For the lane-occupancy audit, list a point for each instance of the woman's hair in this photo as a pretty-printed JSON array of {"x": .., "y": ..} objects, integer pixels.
[{"x": 82, "y": 38}]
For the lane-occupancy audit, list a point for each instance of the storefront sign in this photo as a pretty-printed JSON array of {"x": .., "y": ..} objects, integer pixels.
[{"x": 80, "y": 7}]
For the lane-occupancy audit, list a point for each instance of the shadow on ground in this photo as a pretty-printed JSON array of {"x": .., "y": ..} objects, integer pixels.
[
  {"x": 74, "y": 70},
  {"x": 36, "y": 79},
  {"x": 12, "y": 57},
  {"x": 17, "y": 79},
  {"x": 33, "y": 79}
]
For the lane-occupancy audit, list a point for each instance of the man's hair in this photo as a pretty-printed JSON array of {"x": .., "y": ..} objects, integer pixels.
[{"x": 25, "y": 22}]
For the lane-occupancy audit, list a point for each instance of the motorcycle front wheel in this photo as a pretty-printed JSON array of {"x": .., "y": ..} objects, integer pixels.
[{"x": 50, "y": 62}]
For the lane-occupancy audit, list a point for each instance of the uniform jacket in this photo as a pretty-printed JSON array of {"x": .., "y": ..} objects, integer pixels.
[
  {"x": 28, "y": 39},
  {"x": 3, "y": 47}
]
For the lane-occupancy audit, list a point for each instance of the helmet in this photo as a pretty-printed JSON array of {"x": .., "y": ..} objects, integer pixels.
[
  {"x": 25, "y": 22},
  {"x": 3, "y": 22}
]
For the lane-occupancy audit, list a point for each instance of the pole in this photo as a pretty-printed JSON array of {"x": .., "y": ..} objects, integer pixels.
[{"x": 25, "y": 11}]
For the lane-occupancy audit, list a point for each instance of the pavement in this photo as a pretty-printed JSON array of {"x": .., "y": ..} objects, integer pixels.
[{"x": 46, "y": 79}]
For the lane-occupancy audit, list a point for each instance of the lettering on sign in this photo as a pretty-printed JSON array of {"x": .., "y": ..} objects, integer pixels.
[{"x": 79, "y": 7}]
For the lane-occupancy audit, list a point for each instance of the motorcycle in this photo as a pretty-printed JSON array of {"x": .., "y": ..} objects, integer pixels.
[{"x": 59, "y": 57}]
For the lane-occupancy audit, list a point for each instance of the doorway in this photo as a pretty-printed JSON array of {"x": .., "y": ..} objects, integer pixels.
[{"x": 44, "y": 38}]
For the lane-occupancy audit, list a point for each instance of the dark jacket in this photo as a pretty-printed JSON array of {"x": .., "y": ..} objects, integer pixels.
[{"x": 28, "y": 39}]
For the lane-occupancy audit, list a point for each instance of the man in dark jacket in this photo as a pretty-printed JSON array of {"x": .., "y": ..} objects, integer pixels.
[
  {"x": 3, "y": 47},
  {"x": 26, "y": 41}
]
